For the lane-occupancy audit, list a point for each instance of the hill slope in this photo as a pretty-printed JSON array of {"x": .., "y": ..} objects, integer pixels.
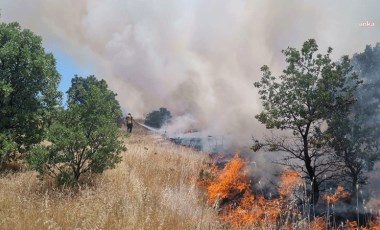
[{"x": 152, "y": 188}]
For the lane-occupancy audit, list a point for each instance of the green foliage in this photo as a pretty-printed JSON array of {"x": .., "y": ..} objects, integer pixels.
[
  {"x": 310, "y": 90},
  {"x": 28, "y": 89},
  {"x": 352, "y": 143},
  {"x": 158, "y": 118},
  {"x": 354, "y": 134},
  {"x": 84, "y": 136},
  {"x": 7, "y": 146},
  {"x": 65, "y": 177}
]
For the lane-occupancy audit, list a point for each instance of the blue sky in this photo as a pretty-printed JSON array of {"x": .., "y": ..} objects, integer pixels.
[{"x": 67, "y": 67}]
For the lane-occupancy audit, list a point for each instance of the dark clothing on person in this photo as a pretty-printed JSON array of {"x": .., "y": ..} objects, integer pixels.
[
  {"x": 129, "y": 119},
  {"x": 129, "y": 128}
]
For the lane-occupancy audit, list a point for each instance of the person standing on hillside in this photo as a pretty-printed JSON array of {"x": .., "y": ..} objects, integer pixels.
[{"x": 129, "y": 119}]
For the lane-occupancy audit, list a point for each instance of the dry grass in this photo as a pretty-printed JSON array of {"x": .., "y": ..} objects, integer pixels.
[{"x": 152, "y": 188}]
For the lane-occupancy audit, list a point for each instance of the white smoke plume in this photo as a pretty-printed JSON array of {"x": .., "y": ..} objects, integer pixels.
[{"x": 197, "y": 58}]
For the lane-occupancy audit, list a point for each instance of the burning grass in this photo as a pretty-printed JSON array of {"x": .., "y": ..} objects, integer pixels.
[
  {"x": 232, "y": 197},
  {"x": 153, "y": 188},
  {"x": 339, "y": 194},
  {"x": 230, "y": 192}
]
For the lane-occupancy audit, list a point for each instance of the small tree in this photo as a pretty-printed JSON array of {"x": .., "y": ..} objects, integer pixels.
[
  {"x": 353, "y": 142},
  {"x": 84, "y": 136},
  {"x": 158, "y": 118},
  {"x": 302, "y": 100},
  {"x": 28, "y": 90}
]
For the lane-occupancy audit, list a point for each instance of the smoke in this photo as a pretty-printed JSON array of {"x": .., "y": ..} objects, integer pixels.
[{"x": 197, "y": 58}]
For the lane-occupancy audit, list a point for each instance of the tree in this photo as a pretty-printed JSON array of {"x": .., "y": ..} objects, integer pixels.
[
  {"x": 354, "y": 135},
  {"x": 84, "y": 137},
  {"x": 352, "y": 142},
  {"x": 367, "y": 108},
  {"x": 28, "y": 90},
  {"x": 158, "y": 118},
  {"x": 302, "y": 100}
]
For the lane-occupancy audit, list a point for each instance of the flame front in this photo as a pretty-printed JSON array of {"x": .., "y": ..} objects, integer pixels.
[
  {"x": 230, "y": 192},
  {"x": 339, "y": 194}
]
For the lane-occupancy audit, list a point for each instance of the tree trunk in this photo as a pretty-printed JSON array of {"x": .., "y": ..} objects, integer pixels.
[
  {"x": 354, "y": 187},
  {"x": 76, "y": 174},
  {"x": 315, "y": 191},
  {"x": 310, "y": 171}
]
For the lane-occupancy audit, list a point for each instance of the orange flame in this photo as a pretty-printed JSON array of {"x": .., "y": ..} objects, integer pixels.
[
  {"x": 229, "y": 191},
  {"x": 351, "y": 225},
  {"x": 231, "y": 181},
  {"x": 231, "y": 188},
  {"x": 318, "y": 224},
  {"x": 289, "y": 179},
  {"x": 375, "y": 224},
  {"x": 339, "y": 194}
]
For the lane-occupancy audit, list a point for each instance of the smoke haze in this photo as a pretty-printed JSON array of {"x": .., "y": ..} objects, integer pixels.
[{"x": 197, "y": 58}]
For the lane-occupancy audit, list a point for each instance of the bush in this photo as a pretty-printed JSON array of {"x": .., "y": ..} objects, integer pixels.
[
  {"x": 157, "y": 119},
  {"x": 84, "y": 136}
]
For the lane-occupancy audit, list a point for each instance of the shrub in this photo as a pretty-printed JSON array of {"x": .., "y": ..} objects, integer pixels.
[{"x": 84, "y": 136}]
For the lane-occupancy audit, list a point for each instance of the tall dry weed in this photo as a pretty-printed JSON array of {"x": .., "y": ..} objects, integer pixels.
[{"x": 152, "y": 188}]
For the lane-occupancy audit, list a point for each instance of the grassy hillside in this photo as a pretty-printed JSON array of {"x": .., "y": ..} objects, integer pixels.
[
  {"x": 152, "y": 188},
  {"x": 157, "y": 185}
]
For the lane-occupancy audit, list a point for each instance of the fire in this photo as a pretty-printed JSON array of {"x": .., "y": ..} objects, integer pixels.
[
  {"x": 372, "y": 225},
  {"x": 339, "y": 194},
  {"x": 318, "y": 224},
  {"x": 289, "y": 179},
  {"x": 352, "y": 225},
  {"x": 229, "y": 192},
  {"x": 375, "y": 225},
  {"x": 231, "y": 182}
]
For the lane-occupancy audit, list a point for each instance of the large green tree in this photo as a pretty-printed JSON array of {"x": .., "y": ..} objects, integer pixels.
[
  {"x": 84, "y": 138},
  {"x": 302, "y": 100},
  {"x": 28, "y": 89}
]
